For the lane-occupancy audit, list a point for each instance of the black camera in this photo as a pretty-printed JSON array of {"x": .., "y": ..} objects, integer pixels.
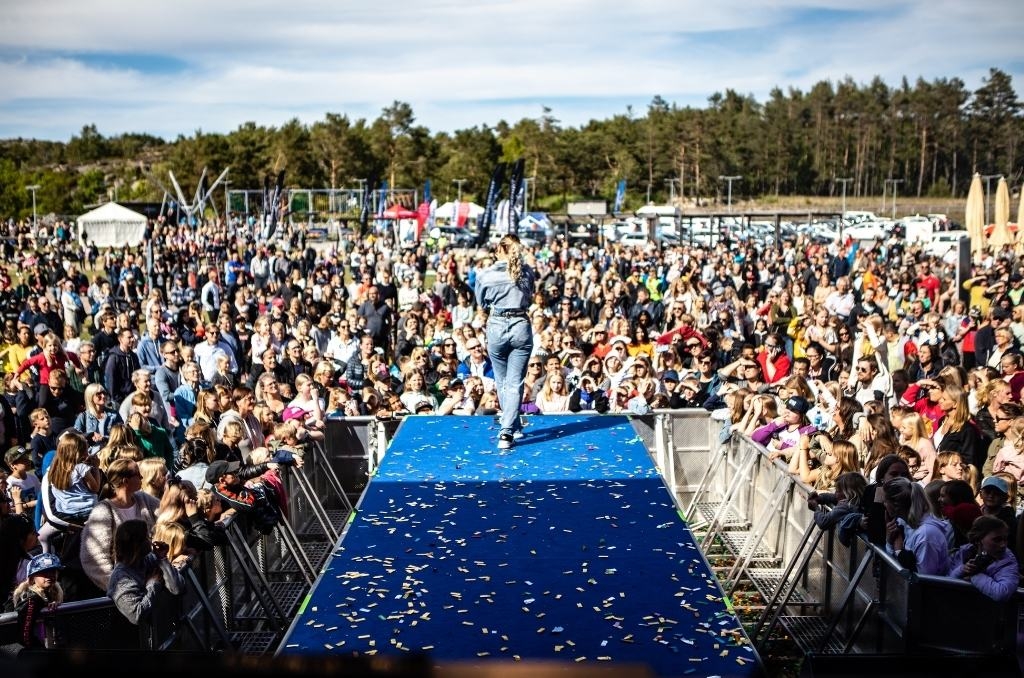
[{"x": 982, "y": 560}]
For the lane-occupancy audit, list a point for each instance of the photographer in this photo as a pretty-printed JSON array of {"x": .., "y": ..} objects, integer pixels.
[
  {"x": 141, "y": 572},
  {"x": 985, "y": 561},
  {"x": 914, "y": 536}
]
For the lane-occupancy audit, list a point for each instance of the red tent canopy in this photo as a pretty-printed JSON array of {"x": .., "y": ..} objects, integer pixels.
[
  {"x": 1012, "y": 227},
  {"x": 398, "y": 212}
]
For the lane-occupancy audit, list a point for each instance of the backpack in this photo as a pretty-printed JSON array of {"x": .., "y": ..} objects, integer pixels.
[{"x": 265, "y": 513}]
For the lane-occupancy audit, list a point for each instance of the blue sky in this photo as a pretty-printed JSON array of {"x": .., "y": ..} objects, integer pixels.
[{"x": 170, "y": 69}]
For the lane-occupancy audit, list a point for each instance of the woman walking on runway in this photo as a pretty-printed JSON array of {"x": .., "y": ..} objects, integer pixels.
[{"x": 505, "y": 290}]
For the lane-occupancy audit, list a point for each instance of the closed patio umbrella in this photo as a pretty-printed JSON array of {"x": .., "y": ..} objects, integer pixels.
[
  {"x": 1001, "y": 232},
  {"x": 974, "y": 216},
  {"x": 1019, "y": 249}
]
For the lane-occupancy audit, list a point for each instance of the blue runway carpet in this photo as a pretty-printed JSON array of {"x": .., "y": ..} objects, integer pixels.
[{"x": 567, "y": 548}]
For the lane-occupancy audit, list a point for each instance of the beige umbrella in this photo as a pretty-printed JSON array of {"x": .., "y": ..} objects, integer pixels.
[
  {"x": 1019, "y": 249},
  {"x": 1001, "y": 235},
  {"x": 974, "y": 216}
]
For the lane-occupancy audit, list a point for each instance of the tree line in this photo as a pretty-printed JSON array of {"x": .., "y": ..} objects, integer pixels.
[{"x": 930, "y": 136}]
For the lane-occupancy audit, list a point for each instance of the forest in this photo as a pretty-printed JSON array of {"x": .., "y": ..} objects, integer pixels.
[{"x": 930, "y": 136}]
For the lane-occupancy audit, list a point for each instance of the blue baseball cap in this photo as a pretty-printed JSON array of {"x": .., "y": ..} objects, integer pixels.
[{"x": 42, "y": 563}]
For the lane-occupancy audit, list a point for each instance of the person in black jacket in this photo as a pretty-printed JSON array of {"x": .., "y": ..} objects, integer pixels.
[
  {"x": 957, "y": 431},
  {"x": 871, "y": 500},
  {"x": 121, "y": 363},
  {"x": 63, "y": 404},
  {"x": 587, "y": 397}
]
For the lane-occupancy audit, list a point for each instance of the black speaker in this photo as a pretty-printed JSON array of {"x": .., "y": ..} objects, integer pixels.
[{"x": 348, "y": 452}]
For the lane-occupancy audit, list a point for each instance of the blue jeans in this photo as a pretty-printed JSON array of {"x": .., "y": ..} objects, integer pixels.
[{"x": 509, "y": 345}]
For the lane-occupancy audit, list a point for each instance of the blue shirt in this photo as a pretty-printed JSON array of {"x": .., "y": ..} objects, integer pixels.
[{"x": 495, "y": 289}]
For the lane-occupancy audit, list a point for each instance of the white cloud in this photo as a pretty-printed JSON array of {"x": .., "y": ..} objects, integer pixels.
[{"x": 459, "y": 64}]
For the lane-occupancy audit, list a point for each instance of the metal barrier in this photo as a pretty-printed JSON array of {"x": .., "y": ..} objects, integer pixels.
[
  {"x": 833, "y": 598},
  {"x": 241, "y": 596}
]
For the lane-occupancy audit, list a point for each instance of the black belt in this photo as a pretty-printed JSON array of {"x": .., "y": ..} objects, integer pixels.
[{"x": 510, "y": 312}]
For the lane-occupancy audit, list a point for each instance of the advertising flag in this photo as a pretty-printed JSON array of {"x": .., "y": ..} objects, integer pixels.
[
  {"x": 620, "y": 197},
  {"x": 493, "y": 195}
]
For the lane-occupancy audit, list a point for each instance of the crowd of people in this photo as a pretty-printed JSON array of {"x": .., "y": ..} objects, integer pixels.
[{"x": 166, "y": 384}]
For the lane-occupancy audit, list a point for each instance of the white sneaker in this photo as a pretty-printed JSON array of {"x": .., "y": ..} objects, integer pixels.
[
  {"x": 505, "y": 441},
  {"x": 517, "y": 435}
]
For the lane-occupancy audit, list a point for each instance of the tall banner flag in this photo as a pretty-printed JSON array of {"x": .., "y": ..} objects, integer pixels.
[
  {"x": 503, "y": 216},
  {"x": 620, "y": 197},
  {"x": 422, "y": 215},
  {"x": 382, "y": 202},
  {"x": 271, "y": 205},
  {"x": 366, "y": 207},
  {"x": 515, "y": 195},
  {"x": 493, "y": 195},
  {"x": 426, "y": 191},
  {"x": 462, "y": 214}
]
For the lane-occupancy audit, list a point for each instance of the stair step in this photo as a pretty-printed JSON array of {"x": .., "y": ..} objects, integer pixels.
[
  {"x": 808, "y": 632},
  {"x": 313, "y": 529},
  {"x": 255, "y": 642},
  {"x": 316, "y": 552},
  {"x": 737, "y": 542},
  {"x": 288, "y": 594},
  {"x": 768, "y": 580},
  {"x": 706, "y": 510}
]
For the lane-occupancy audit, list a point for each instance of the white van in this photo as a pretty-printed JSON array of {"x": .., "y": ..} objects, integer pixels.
[
  {"x": 945, "y": 245},
  {"x": 855, "y": 217}
]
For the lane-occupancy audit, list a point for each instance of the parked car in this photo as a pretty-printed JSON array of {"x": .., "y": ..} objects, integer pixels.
[
  {"x": 634, "y": 240},
  {"x": 582, "y": 234},
  {"x": 867, "y": 230},
  {"x": 458, "y": 237}
]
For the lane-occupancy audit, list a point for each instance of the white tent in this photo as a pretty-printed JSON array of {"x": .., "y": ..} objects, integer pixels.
[
  {"x": 112, "y": 225},
  {"x": 447, "y": 211}
]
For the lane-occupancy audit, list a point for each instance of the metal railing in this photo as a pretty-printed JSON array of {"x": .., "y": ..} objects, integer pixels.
[
  {"x": 836, "y": 598},
  {"x": 241, "y": 596}
]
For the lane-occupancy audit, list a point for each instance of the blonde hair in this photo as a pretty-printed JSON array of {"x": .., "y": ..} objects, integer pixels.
[
  {"x": 151, "y": 469},
  {"x": 205, "y": 432},
  {"x": 986, "y": 390},
  {"x": 71, "y": 450},
  {"x": 172, "y": 504},
  {"x": 919, "y": 425},
  {"x": 205, "y": 499},
  {"x": 961, "y": 413},
  {"x": 90, "y": 398},
  {"x": 285, "y": 430},
  {"x": 735, "y": 402},
  {"x": 335, "y": 396},
  {"x": 510, "y": 246},
  {"x": 944, "y": 459},
  {"x": 232, "y": 430},
  {"x": 260, "y": 455},
  {"x": 172, "y": 534}
]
